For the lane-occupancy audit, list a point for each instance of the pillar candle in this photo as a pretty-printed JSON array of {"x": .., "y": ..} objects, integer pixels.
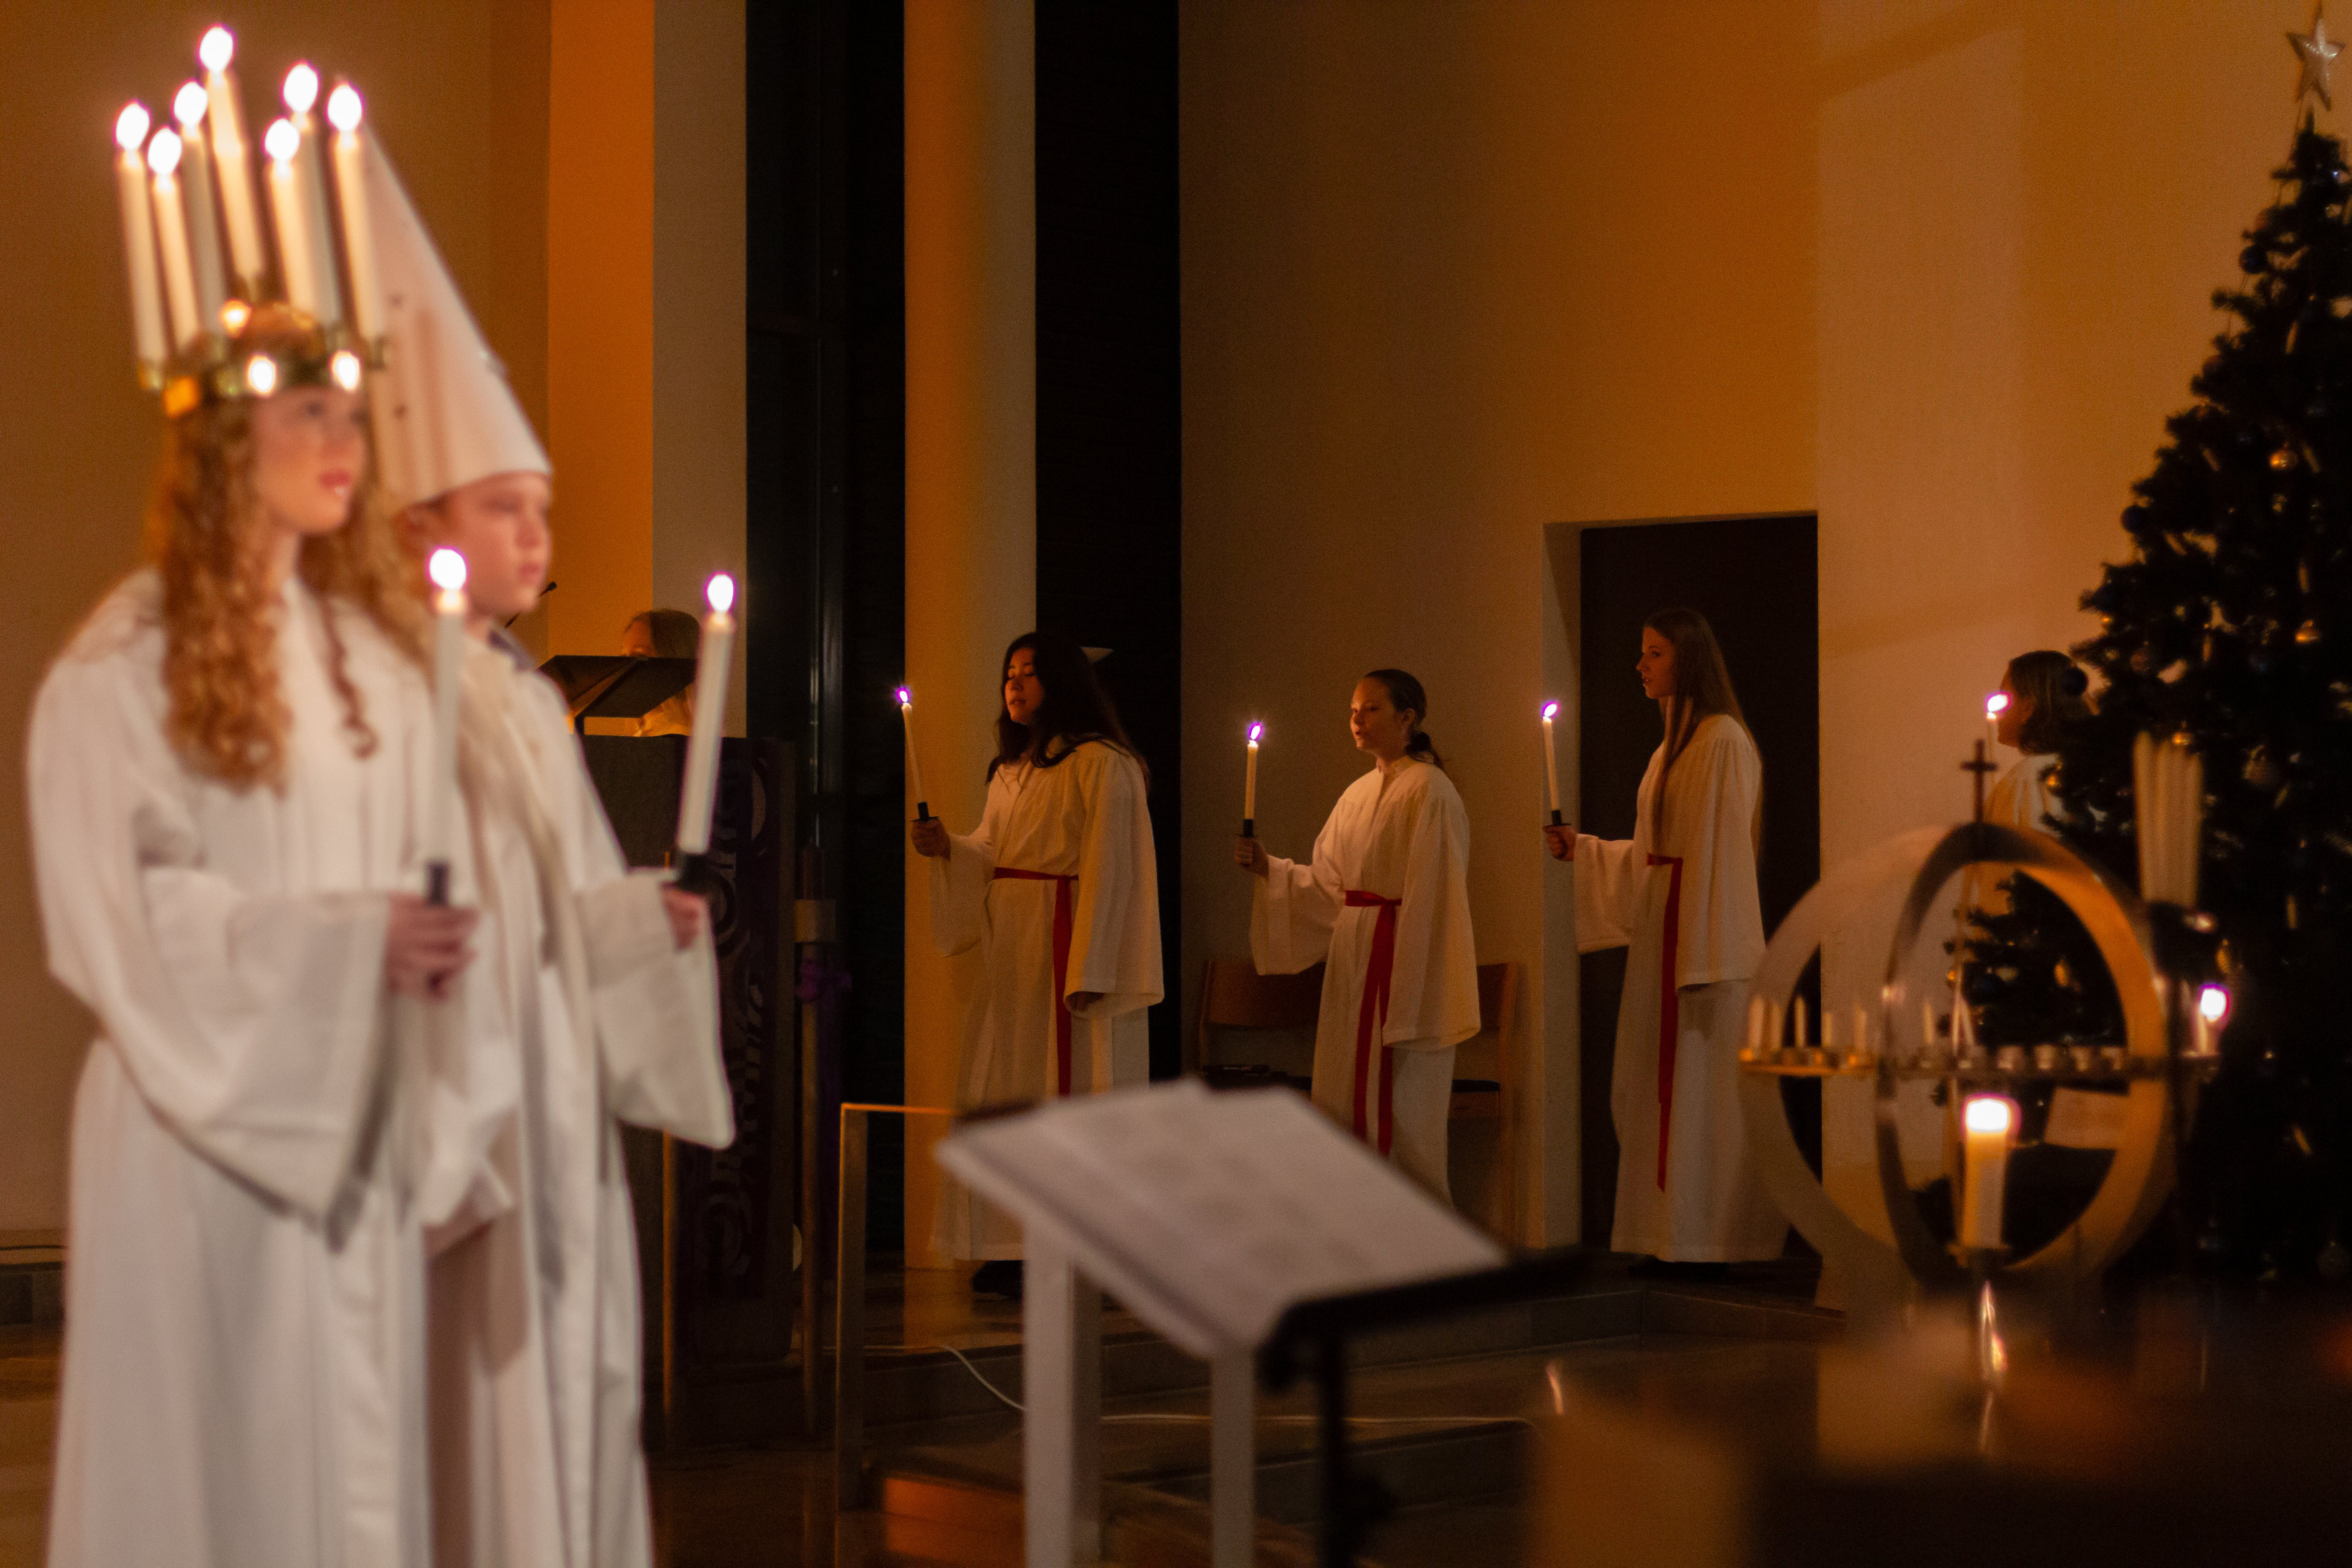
[
  {"x": 1797, "y": 1008},
  {"x": 344, "y": 111},
  {"x": 1249, "y": 782},
  {"x": 914, "y": 763},
  {"x": 139, "y": 239},
  {"x": 302, "y": 94},
  {"x": 709, "y": 714},
  {"x": 197, "y": 191},
  {"x": 172, "y": 233},
  {"x": 1987, "y": 1121},
  {"x": 447, "y": 569},
  {"x": 283, "y": 142},
  {"x": 239, "y": 212},
  {"x": 1551, "y": 760}
]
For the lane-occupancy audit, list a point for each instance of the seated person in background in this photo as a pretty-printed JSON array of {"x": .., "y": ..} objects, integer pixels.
[{"x": 665, "y": 634}]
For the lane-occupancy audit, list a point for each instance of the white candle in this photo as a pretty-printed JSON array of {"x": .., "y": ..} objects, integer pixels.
[
  {"x": 196, "y": 191},
  {"x": 1756, "y": 1014},
  {"x": 238, "y": 211},
  {"x": 1797, "y": 1007},
  {"x": 447, "y": 569},
  {"x": 344, "y": 111},
  {"x": 709, "y": 712},
  {"x": 914, "y": 763},
  {"x": 1249, "y": 777},
  {"x": 1860, "y": 1030},
  {"x": 139, "y": 240},
  {"x": 172, "y": 231},
  {"x": 1995, "y": 706},
  {"x": 283, "y": 142},
  {"x": 301, "y": 93},
  {"x": 1987, "y": 1121},
  {"x": 2213, "y": 1012},
  {"x": 1551, "y": 761}
]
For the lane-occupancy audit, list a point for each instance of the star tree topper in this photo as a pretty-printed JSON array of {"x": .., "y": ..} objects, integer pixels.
[{"x": 2314, "y": 51}]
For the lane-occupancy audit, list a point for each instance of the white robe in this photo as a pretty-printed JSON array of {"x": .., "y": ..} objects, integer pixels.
[
  {"x": 537, "y": 1456},
  {"x": 245, "y": 1352},
  {"x": 1085, "y": 817},
  {"x": 1686, "y": 1189},
  {"x": 1401, "y": 835}
]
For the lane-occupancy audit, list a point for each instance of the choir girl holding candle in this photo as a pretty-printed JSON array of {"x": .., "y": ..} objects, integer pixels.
[
  {"x": 607, "y": 978},
  {"x": 1384, "y": 903},
  {"x": 1058, "y": 889},
  {"x": 1682, "y": 894},
  {"x": 227, "y": 767},
  {"x": 2045, "y": 691}
]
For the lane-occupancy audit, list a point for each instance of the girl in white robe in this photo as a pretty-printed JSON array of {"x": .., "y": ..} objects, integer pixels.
[
  {"x": 225, "y": 772},
  {"x": 1682, "y": 893},
  {"x": 1059, "y": 890},
  {"x": 1384, "y": 903}
]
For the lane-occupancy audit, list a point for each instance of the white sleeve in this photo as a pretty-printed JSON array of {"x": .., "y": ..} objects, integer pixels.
[
  {"x": 250, "y": 1024},
  {"x": 1294, "y": 907},
  {"x": 1433, "y": 988},
  {"x": 960, "y": 883},
  {"x": 1115, "y": 918},
  {"x": 1722, "y": 934},
  {"x": 1610, "y": 873}
]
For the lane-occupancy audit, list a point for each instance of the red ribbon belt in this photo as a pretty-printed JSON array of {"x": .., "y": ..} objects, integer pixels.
[
  {"x": 1669, "y": 1013},
  {"x": 1374, "y": 1013},
  {"x": 1063, "y": 925}
]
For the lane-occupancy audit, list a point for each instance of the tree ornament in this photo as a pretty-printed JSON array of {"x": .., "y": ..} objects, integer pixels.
[{"x": 2315, "y": 52}]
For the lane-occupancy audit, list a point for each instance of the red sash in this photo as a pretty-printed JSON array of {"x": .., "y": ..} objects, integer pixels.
[
  {"x": 1669, "y": 1013},
  {"x": 1063, "y": 925},
  {"x": 1374, "y": 1013}
]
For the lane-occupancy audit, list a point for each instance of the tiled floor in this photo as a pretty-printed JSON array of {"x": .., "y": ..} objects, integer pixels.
[{"x": 28, "y": 1416}]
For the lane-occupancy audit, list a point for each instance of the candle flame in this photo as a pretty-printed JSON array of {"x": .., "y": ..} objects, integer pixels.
[
  {"x": 721, "y": 592},
  {"x": 1255, "y": 730},
  {"x": 301, "y": 88},
  {"x": 163, "y": 152},
  {"x": 189, "y": 105},
  {"x": 261, "y": 375},
  {"x": 2213, "y": 1003},
  {"x": 235, "y": 313},
  {"x": 1997, "y": 704},
  {"x": 343, "y": 108},
  {"x": 1551, "y": 710},
  {"x": 447, "y": 569},
  {"x": 130, "y": 126},
  {"x": 905, "y": 697},
  {"x": 218, "y": 48},
  {"x": 281, "y": 141},
  {"x": 346, "y": 369},
  {"x": 1989, "y": 1113}
]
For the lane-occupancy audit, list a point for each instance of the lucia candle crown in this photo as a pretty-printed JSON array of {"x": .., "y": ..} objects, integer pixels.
[{"x": 240, "y": 260}]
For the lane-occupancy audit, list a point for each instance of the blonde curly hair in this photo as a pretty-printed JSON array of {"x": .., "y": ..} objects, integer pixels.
[{"x": 228, "y": 718}]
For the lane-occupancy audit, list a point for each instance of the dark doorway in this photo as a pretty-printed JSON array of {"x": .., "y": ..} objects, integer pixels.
[{"x": 1753, "y": 578}]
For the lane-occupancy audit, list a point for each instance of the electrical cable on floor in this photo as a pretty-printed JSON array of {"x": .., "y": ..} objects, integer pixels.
[{"x": 1193, "y": 1418}]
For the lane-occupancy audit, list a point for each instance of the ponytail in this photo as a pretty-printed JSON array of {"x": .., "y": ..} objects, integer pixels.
[{"x": 1405, "y": 692}]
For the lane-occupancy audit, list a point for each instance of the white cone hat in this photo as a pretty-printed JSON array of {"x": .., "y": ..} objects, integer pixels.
[{"x": 444, "y": 414}]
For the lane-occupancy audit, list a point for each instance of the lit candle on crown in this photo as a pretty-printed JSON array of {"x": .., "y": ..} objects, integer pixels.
[
  {"x": 284, "y": 145},
  {"x": 914, "y": 763},
  {"x": 1249, "y": 783},
  {"x": 139, "y": 242},
  {"x": 172, "y": 231},
  {"x": 226, "y": 117},
  {"x": 302, "y": 94},
  {"x": 693, "y": 805},
  {"x": 196, "y": 191},
  {"x": 1551, "y": 761},
  {"x": 447, "y": 569},
  {"x": 343, "y": 112}
]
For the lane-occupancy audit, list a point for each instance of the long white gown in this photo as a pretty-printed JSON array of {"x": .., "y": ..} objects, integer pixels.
[
  {"x": 1686, "y": 1190},
  {"x": 245, "y": 1352},
  {"x": 1058, "y": 888},
  {"x": 535, "y": 1316},
  {"x": 1387, "y": 889}
]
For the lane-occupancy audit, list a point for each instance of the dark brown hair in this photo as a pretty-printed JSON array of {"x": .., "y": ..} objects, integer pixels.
[
  {"x": 1405, "y": 695},
  {"x": 673, "y": 633},
  {"x": 1702, "y": 690},
  {"x": 2052, "y": 682},
  {"x": 1076, "y": 708}
]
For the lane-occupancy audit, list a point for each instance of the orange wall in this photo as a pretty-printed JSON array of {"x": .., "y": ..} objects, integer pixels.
[
  {"x": 1456, "y": 273},
  {"x": 460, "y": 96}
]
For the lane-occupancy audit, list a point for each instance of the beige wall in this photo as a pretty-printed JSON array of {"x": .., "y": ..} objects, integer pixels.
[
  {"x": 1453, "y": 273},
  {"x": 460, "y": 95}
]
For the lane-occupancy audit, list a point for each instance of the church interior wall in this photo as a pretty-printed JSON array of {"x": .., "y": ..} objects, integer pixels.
[
  {"x": 460, "y": 95},
  {"x": 1453, "y": 274}
]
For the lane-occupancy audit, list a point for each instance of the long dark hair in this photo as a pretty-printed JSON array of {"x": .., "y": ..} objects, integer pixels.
[
  {"x": 1702, "y": 690},
  {"x": 1405, "y": 694},
  {"x": 2052, "y": 682},
  {"x": 1076, "y": 709}
]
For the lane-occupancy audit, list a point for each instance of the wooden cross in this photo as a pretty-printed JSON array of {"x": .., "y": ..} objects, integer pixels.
[{"x": 1981, "y": 766}]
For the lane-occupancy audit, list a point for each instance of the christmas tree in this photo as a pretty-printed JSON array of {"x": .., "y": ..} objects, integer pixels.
[{"x": 2232, "y": 624}]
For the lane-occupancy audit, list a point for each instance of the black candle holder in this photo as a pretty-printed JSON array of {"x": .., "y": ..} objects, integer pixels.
[
  {"x": 1555, "y": 821},
  {"x": 692, "y": 873},
  {"x": 922, "y": 811},
  {"x": 1249, "y": 828},
  {"x": 436, "y": 883}
]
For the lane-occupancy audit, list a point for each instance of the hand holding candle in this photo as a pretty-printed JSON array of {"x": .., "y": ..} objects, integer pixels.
[
  {"x": 914, "y": 763},
  {"x": 1551, "y": 762},
  {"x": 447, "y": 569},
  {"x": 1249, "y": 783},
  {"x": 1989, "y": 1120},
  {"x": 694, "y": 804}
]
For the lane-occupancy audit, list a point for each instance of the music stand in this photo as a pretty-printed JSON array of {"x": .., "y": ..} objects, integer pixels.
[{"x": 616, "y": 686}]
